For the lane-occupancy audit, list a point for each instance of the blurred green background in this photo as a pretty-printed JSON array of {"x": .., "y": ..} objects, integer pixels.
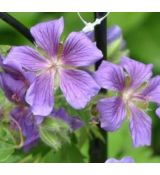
[{"x": 142, "y": 33}]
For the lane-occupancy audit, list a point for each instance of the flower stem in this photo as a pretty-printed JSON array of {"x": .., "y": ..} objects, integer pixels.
[
  {"x": 98, "y": 148},
  {"x": 20, "y": 145},
  {"x": 17, "y": 25}
]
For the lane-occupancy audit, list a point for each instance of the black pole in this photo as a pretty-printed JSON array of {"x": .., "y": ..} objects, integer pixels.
[
  {"x": 17, "y": 25},
  {"x": 101, "y": 36},
  {"x": 98, "y": 148}
]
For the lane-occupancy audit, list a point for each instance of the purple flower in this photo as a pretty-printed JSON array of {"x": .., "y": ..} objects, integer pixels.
[
  {"x": 73, "y": 122},
  {"x": 14, "y": 81},
  {"x": 134, "y": 87},
  {"x": 126, "y": 159},
  {"x": 114, "y": 33},
  {"x": 57, "y": 61},
  {"x": 29, "y": 123}
]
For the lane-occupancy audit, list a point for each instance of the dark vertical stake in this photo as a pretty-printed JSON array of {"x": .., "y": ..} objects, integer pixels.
[
  {"x": 98, "y": 148},
  {"x": 101, "y": 36}
]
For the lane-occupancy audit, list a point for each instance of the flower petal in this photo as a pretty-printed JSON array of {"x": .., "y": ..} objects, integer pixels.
[
  {"x": 79, "y": 50},
  {"x": 18, "y": 73},
  {"x": 152, "y": 91},
  {"x": 110, "y": 76},
  {"x": 78, "y": 87},
  {"x": 27, "y": 57},
  {"x": 1, "y": 60},
  {"x": 112, "y": 113},
  {"x": 126, "y": 159},
  {"x": 40, "y": 94},
  {"x": 14, "y": 89},
  {"x": 47, "y": 35},
  {"x": 25, "y": 119},
  {"x": 113, "y": 33},
  {"x": 137, "y": 71},
  {"x": 140, "y": 127},
  {"x": 73, "y": 122}
]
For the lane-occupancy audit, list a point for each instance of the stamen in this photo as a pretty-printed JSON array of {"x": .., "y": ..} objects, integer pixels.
[
  {"x": 127, "y": 95},
  {"x": 15, "y": 97},
  {"x": 60, "y": 51}
]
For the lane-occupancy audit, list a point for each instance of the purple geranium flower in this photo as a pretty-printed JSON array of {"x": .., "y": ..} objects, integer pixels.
[
  {"x": 126, "y": 159},
  {"x": 114, "y": 33},
  {"x": 56, "y": 61},
  {"x": 135, "y": 89},
  {"x": 29, "y": 123},
  {"x": 14, "y": 81}
]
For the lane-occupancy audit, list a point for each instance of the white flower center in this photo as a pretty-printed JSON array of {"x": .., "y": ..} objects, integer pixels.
[
  {"x": 56, "y": 64},
  {"x": 127, "y": 95}
]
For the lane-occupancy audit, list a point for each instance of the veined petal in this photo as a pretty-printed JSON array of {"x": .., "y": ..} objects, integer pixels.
[
  {"x": 112, "y": 113},
  {"x": 137, "y": 71},
  {"x": 110, "y": 76},
  {"x": 27, "y": 57},
  {"x": 14, "y": 89},
  {"x": 152, "y": 91},
  {"x": 40, "y": 94},
  {"x": 47, "y": 35},
  {"x": 78, "y": 87},
  {"x": 140, "y": 127},
  {"x": 18, "y": 73},
  {"x": 79, "y": 50}
]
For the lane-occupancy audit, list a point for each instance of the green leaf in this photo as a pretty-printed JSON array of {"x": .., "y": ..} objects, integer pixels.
[
  {"x": 114, "y": 51},
  {"x": 54, "y": 132},
  {"x": 4, "y": 49},
  {"x": 7, "y": 143},
  {"x": 68, "y": 153},
  {"x": 5, "y": 152}
]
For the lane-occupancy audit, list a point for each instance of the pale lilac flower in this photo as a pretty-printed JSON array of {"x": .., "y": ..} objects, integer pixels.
[
  {"x": 57, "y": 61},
  {"x": 135, "y": 88},
  {"x": 126, "y": 159}
]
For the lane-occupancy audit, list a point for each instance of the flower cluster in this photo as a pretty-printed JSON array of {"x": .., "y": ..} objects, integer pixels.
[
  {"x": 14, "y": 81},
  {"x": 31, "y": 76}
]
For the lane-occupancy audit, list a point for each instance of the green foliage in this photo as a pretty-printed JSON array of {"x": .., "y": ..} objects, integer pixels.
[
  {"x": 114, "y": 51},
  {"x": 54, "y": 132},
  {"x": 4, "y": 49},
  {"x": 68, "y": 153},
  {"x": 7, "y": 144}
]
